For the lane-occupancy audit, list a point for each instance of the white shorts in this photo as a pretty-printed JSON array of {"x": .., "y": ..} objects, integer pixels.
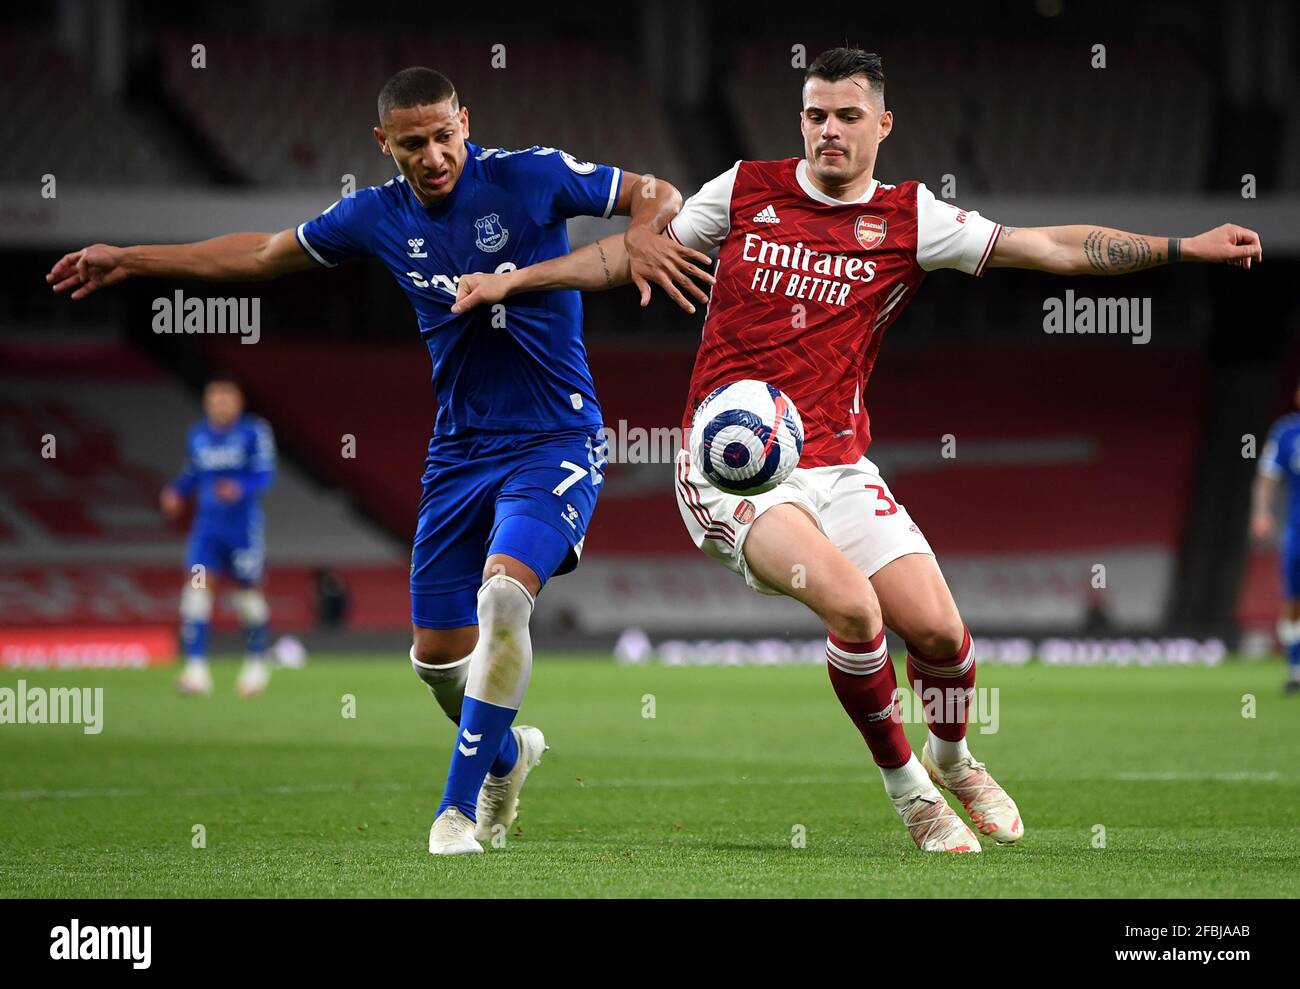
[{"x": 850, "y": 503}]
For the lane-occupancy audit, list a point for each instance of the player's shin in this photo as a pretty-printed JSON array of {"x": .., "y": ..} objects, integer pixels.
[
  {"x": 864, "y": 681},
  {"x": 945, "y": 685},
  {"x": 254, "y": 615},
  {"x": 196, "y": 614},
  {"x": 446, "y": 681},
  {"x": 499, "y": 670},
  {"x": 1288, "y": 634}
]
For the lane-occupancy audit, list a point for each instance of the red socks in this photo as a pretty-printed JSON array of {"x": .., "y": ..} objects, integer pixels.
[
  {"x": 944, "y": 686},
  {"x": 864, "y": 681}
]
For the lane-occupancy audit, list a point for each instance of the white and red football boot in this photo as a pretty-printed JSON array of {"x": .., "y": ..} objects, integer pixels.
[{"x": 991, "y": 809}]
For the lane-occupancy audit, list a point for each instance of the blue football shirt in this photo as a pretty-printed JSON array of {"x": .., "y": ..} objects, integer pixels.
[
  {"x": 1281, "y": 459},
  {"x": 517, "y": 367},
  {"x": 245, "y": 452}
]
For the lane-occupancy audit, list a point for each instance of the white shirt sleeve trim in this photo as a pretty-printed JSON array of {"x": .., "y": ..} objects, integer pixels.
[
  {"x": 615, "y": 184},
  {"x": 311, "y": 250}
]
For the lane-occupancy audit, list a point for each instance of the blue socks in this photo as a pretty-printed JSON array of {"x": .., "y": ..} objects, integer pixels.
[
  {"x": 507, "y": 757},
  {"x": 481, "y": 747},
  {"x": 257, "y": 636},
  {"x": 194, "y": 638}
]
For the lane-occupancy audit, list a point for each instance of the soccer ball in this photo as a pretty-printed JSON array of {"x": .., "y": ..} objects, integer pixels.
[{"x": 746, "y": 437}]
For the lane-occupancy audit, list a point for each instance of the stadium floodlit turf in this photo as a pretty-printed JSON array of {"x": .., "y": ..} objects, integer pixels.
[{"x": 704, "y": 799}]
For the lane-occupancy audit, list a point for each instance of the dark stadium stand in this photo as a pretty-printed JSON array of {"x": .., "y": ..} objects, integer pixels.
[
  {"x": 97, "y": 139},
  {"x": 1010, "y": 117},
  {"x": 261, "y": 101}
]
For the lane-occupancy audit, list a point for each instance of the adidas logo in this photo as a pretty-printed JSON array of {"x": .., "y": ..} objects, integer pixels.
[{"x": 767, "y": 215}]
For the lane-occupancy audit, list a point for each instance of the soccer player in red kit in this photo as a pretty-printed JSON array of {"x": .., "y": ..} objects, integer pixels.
[{"x": 815, "y": 259}]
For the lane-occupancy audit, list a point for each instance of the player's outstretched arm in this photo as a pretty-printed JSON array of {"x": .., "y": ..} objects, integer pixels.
[
  {"x": 1263, "y": 523},
  {"x": 602, "y": 265},
  {"x": 234, "y": 257},
  {"x": 1080, "y": 249},
  {"x": 653, "y": 259}
]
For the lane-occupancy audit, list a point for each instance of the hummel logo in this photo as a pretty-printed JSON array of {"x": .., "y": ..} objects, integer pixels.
[
  {"x": 767, "y": 215},
  {"x": 415, "y": 244},
  {"x": 469, "y": 737}
]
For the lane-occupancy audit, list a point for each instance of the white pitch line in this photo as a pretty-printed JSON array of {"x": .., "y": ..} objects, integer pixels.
[{"x": 300, "y": 789}]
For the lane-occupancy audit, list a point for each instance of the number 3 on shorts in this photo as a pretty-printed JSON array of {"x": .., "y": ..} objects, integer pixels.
[
  {"x": 881, "y": 496},
  {"x": 576, "y": 474}
]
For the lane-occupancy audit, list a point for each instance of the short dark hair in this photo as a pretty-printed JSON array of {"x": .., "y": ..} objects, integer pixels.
[
  {"x": 223, "y": 380},
  {"x": 416, "y": 86},
  {"x": 835, "y": 64}
]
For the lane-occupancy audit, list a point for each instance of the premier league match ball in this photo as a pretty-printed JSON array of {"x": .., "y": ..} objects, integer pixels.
[{"x": 746, "y": 437}]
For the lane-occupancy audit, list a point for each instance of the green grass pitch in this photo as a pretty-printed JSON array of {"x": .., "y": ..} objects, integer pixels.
[{"x": 701, "y": 800}]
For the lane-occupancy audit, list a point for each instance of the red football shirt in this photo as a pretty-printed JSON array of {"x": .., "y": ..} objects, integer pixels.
[{"x": 806, "y": 286}]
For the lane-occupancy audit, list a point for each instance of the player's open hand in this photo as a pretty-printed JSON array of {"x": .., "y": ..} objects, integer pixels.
[
  {"x": 83, "y": 271},
  {"x": 672, "y": 266},
  {"x": 171, "y": 502},
  {"x": 480, "y": 289},
  {"x": 1227, "y": 244},
  {"x": 228, "y": 490},
  {"x": 1262, "y": 526}
]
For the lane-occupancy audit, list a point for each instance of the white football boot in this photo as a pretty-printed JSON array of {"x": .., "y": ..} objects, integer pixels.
[
  {"x": 498, "y": 799},
  {"x": 991, "y": 810},
  {"x": 253, "y": 678},
  {"x": 196, "y": 678},
  {"x": 453, "y": 834},
  {"x": 933, "y": 825}
]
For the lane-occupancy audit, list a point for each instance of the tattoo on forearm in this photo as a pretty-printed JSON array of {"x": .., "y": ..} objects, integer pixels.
[
  {"x": 604, "y": 263},
  {"x": 1110, "y": 252}
]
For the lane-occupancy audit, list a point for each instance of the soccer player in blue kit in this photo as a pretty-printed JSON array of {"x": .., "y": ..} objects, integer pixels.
[
  {"x": 516, "y": 459},
  {"x": 1279, "y": 461},
  {"x": 229, "y": 465}
]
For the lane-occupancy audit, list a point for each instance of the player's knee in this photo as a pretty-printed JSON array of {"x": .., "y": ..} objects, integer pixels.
[
  {"x": 504, "y": 600},
  {"x": 854, "y": 619},
  {"x": 941, "y": 639},
  {"x": 196, "y": 604},
  {"x": 251, "y": 607},
  {"x": 442, "y": 647},
  {"x": 502, "y": 565}
]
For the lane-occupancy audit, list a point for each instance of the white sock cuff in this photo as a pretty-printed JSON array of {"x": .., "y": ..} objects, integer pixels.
[
  {"x": 954, "y": 669},
  {"x": 196, "y": 604},
  {"x": 250, "y": 605},
  {"x": 857, "y": 663},
  {"x": 437, "y": 667},
  {"x": 501, "y": 580},
  {"x": 1288, "y": 632}
]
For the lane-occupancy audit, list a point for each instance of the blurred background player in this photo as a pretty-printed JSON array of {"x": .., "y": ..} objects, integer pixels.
[
  {"x": 517, "y": 458},
  {"x": 229, "y": 465},
  {"x": 816, "y": 258},
  {"x": 1280, "y": 463}
]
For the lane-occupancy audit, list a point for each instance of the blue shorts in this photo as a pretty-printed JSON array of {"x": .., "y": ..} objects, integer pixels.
[
  {"x": 528, "y": 497},
  {"x": 1291, "y": 563},
  {"x": 238, "y": 551}
]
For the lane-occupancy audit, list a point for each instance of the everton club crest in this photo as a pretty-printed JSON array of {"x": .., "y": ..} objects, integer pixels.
[{"x": 491, "y": 235}]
